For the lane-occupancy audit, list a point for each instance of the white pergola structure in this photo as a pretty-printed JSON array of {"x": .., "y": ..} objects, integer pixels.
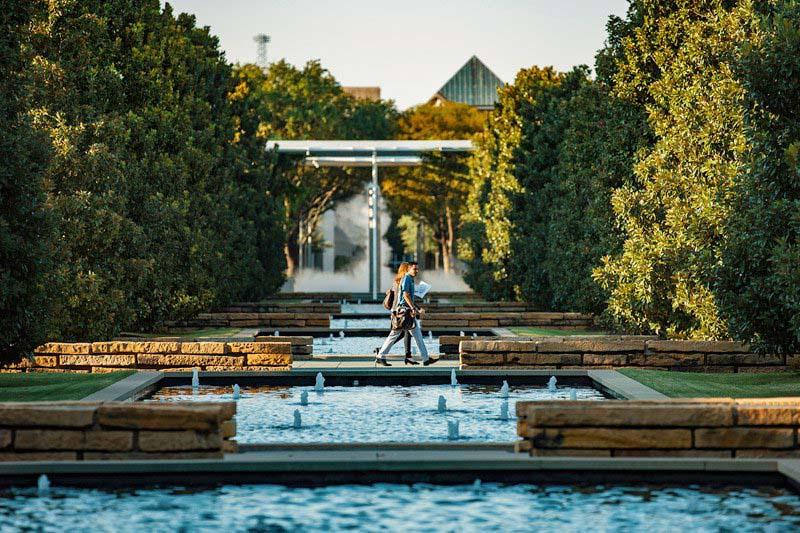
[{"x": 368, "y": 154}]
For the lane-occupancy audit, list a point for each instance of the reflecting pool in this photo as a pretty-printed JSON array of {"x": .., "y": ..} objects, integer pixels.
[
  {"x": 391, "y": 507},
  {"x": 374, "y": 413}
]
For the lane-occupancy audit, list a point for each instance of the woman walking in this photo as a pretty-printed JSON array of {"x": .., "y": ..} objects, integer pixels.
[{"x": 404, "y": 305}]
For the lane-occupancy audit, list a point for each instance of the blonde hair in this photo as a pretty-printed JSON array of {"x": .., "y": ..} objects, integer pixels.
[{"x": 401, "y": 271}]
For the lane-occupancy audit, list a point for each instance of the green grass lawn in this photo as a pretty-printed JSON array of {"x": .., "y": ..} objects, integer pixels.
[
  {"x": 33, "y": 387},
  {"x": 698, "y": 385},
  {"x": 553, "y": 332}
]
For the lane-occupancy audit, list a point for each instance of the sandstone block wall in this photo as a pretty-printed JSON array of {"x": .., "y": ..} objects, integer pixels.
[
  {"x": 719, "y": 427},
  {"x": 302, "y": 346},
  {"x": 500, "y": 318},
  {"x": 449, "y": 344},
  {"x": 74, "y": 431},
  {"x": 479, "y": 307},
  {"x": 157, "y": 355},
  {"x": 248, "y": 320},
  {"x": 311, "y": 306},
  {"x": 700, "y": 356}
]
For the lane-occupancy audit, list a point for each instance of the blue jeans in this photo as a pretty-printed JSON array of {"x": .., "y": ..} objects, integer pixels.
[{"x": 397, "y": 334}]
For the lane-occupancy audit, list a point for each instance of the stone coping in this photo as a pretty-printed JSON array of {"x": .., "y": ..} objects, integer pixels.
[
  {"x": 78, "y": 431},
  {"x": 610, "y": 382},
  {"x": 703, "y": 427},
  {"x": 502, "y": 318},
  {"x": 450, "y": 343},
  {"x": 242, "y": 320},
  {"x": 411, "y": 464},
  {"x": 131, "y": 388},
  {"x": 709, "y": 356}
]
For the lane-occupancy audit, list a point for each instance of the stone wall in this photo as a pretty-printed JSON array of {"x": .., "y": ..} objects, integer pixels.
[
  {"x": 302, "y": 346},
  {"x": 282, "y": 307},
  {"x": 720, "y": 427},
  {"x": 250, "y": 320},
  {"x": 70, "y": 431},
  {"x": 499, "y": 319},
  {"x": 700, "y": 356},
  {"x": 156, "y": 355},
  {"x": 449, "y": 344},
  {"x": 479, "y": 307}
]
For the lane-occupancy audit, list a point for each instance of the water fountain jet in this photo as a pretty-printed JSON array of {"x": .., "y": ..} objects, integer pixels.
[
  {"x": 236, "y": 391},
  {"x": 195, "y": 378},
  {"x": 551, "y": 385},
  {"x": 453, "y": 379},
  {"x": 277, "y": 333},
  {"x": 304, "y": 398},
  {"x": 319, "y": 383},
  {"x": 504, "y": 390},
  {"x": 442, "y": 406},
  {"x": 298, "y": 422},
  {"x": 452, "y": 429},
  {"x": 504, "y": 411},
  {"x": 573, "y": 395},
  {"x": 43, "y": 484}
]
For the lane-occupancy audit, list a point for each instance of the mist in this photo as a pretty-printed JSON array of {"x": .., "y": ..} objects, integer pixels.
[{"x": 352, "y": 217}]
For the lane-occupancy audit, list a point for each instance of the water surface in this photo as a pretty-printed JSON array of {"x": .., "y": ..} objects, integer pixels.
[
  {"x": 391, "y": 507},
  {"x": 374, "y": 413}
]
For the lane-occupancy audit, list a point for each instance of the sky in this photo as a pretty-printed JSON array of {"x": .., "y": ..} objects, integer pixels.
[{"x": 410, "y": 48}]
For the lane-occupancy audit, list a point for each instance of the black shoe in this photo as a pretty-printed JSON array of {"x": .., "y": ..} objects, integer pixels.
[
  {"x": 409, "y": 361},
  {"x": 382, "y": 362},
  {"x": 430, "y": 361}
]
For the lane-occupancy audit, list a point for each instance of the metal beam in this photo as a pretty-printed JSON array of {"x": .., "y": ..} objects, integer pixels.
[{"x": 367, "y": 148}]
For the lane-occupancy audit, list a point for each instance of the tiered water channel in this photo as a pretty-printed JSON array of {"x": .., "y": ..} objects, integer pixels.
[
  {"x": 355, "y": 335},
  {"x": 358, "y": 412},
  {"x": 354, "y": 412}
]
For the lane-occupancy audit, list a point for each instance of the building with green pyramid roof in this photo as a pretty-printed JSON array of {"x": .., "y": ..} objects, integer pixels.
[{"x": 474, "y": 84}]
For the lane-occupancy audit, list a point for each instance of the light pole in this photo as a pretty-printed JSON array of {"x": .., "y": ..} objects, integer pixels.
[{"x": 374, "y": 231}]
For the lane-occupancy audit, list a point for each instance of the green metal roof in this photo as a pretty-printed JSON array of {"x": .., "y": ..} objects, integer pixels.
[{"x": 473, "y": 84}]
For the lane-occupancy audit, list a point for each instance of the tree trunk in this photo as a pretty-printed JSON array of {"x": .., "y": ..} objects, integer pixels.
[
  {"x": 292, "y": 252},
  {"x": 447, "y": 239}
]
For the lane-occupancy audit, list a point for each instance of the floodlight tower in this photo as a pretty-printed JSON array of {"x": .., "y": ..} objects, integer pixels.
[{"x": 262, "y": 40}]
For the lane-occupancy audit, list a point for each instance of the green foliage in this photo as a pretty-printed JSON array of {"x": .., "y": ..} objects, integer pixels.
[
  {"x": 542, "y": 186},
  {"x": 287, "y": 102},
  {"x": 160, "y": 214},
  {"x": 759, "y": 281},
  {"x": 486, "y": 247},
  {"x": 681, "y": 62},
  {"x": 24, "y": 221},
  {"x": 435, "y": 192},
  {"x": 410, "y": 236},
  {"x": 584, "y": 141}
]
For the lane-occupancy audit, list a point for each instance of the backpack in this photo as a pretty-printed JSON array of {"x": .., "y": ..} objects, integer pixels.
[{"x": 388, "y": 300}]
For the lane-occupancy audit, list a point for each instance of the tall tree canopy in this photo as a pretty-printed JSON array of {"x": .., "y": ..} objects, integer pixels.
[
  {"x": 434, "y": 194},
  {"x": 294, "y": 103},
  {"x": 24, "y": 222},
  {"x": 157, "y": 215},
  {"x": 674, "y": 217},
  {"x": 759, "y": 281}
]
